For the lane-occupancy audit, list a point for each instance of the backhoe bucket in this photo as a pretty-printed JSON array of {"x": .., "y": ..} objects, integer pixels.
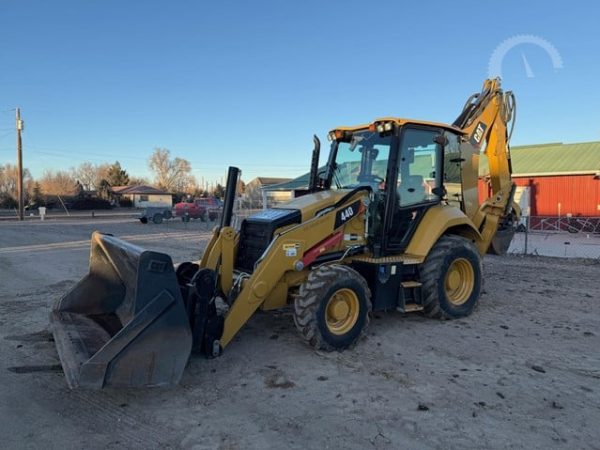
[{"x": 124, "y": 324}]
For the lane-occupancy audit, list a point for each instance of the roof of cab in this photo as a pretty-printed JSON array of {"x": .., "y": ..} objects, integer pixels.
[{"x": 400, "y": 122}]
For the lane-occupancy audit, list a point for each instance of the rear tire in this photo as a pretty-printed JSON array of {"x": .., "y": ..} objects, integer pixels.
[
  {"x": 332, "y": 308},
  {"x": 452, "y": 278}
]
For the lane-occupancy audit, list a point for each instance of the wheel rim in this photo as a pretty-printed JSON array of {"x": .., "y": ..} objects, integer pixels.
[
  {"x": 341, "y": 312},
  {"x": 460, "y": 281}
]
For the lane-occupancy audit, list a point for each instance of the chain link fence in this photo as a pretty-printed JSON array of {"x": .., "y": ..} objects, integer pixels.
[{"x": 565, "y": 237}]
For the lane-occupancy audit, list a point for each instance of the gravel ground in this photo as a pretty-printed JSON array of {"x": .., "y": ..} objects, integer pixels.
[{"x": 522, "y": 372}]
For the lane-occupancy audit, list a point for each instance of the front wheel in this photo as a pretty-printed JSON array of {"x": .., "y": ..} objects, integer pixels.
[
  {"x": 332, "y": 308},
  {"x": 452, "y": 278}
]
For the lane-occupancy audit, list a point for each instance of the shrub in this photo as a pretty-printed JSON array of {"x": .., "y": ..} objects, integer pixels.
[
  {"x": 6, "y": 201},
  {"x": 125, "y": 202},
  {"x": 90, "y": 203}
]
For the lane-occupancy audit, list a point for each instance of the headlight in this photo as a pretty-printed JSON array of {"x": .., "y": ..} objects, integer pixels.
[
  {"x": 380, "y": 128},
  {"x": 388, "y": 126}
]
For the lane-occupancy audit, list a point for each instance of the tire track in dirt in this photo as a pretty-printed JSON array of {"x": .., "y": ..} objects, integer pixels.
[{"x": 106, "y": 413}]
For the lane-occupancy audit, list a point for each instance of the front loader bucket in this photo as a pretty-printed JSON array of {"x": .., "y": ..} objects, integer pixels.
[{"x": 124, "y": 324}]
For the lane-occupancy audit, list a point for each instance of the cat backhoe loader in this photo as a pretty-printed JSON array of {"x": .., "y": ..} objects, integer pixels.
[{"x": 392, "y": 222}]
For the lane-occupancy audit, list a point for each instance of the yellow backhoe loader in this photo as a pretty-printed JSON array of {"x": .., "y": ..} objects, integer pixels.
[{"x": 392, "y": 222}]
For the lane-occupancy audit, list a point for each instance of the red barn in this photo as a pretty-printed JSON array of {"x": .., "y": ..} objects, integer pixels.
[{"x": 556, "y": 179}]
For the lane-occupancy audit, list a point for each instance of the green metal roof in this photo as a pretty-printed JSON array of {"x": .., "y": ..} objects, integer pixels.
[{"x": 553, "y": 159}]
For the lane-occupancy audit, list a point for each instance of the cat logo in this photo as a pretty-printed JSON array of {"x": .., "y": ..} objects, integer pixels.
[{"x": 478, "y": 134}]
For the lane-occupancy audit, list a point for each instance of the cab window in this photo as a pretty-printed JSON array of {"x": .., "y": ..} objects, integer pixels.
[{"x": 418, "y": 167}]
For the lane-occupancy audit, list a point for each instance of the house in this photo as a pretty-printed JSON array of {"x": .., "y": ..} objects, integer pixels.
[
  {"x": 257, "y": 192},
  {"x": 143, "y": 196},
  {"x": 291, "y": 188}
]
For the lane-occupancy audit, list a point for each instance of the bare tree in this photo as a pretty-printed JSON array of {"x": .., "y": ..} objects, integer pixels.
[
  {"x": 173, "y": 175},
  {"x": 86, "y": 174},
  {"x": 58, "y": 182},
  {"x": 137, "y": 181},
  {"x": 8, "y": 180},
  {"x": 90, "y": 175}
]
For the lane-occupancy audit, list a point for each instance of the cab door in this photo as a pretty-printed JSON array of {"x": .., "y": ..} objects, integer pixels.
[{"x": 415, "y": 184}]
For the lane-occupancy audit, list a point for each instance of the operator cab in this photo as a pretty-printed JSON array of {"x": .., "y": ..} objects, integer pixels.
[{"x": 406, "y": 170}]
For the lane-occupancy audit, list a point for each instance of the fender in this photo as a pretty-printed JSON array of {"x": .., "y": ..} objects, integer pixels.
[{"x": 437, "y": 221}]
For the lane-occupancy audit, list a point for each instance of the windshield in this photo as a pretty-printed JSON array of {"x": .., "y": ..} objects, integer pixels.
[{"x": 362, "y": 161}]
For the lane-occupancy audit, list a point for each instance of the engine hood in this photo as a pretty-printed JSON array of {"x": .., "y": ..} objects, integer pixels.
[{"x": 310, "y": 204}]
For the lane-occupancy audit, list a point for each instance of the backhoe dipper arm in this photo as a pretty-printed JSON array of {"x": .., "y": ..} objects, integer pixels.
[{"x": 485, "y": 120}]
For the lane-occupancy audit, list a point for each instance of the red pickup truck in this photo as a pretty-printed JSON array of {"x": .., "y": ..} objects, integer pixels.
[{"x": 201, "y": 208}]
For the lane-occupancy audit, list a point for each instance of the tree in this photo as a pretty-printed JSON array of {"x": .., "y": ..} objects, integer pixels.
[
  {"x": 137, "y": 181},
  {"x": 86, "y": 175},
  {"x": 240, "y": 188},
  {"x": 172, "y": 175},
  {"x": 253, "y": 194},
  {"x": 104, "y": 189},
  {"x": 37, "y": 197},
  {"x": 219, "y": 191},
  {"x": 8, "y": 180},
  {"x": 58, "y": 182},
  {"x": 90, "y": 175},
  {"x": 116, "y": 175}
]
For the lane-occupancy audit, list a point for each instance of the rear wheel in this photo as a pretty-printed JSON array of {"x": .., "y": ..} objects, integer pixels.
[
  {"x": 158, "y": 218},
  {"x": 333, "y": 307},
  {"x": 452, "y": 278}
]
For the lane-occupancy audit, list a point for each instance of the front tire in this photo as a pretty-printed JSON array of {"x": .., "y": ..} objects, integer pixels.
[
  {"x": 332, "y": 308},
  {"x": 452, "y": 278}
]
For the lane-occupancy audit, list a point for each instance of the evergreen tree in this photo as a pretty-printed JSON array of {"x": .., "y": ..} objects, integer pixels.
[{"x": 116, "y": 175}]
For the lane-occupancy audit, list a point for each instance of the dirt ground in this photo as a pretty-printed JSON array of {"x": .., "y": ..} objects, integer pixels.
[{"x": 522, "y": 372}]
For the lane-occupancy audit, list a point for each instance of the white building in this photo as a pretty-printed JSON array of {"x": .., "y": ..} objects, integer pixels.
[{"x": 144, "y": 196}]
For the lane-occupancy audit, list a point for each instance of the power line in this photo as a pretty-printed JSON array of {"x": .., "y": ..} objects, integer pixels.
[{"x": 65, "y": 153}]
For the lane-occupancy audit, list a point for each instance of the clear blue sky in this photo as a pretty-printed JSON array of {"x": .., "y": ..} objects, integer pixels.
[{"x": 248, "y": 83}]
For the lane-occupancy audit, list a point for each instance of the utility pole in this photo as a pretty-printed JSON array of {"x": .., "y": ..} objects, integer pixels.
[{"x": 19, "y": 164}]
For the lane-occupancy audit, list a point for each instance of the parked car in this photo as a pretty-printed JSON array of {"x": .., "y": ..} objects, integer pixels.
[
  {"x": 201, "y": 208},
  {"x": 156, "y": 214}
]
